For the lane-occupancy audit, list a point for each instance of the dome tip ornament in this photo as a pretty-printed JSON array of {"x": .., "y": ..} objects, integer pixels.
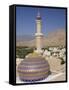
[{"x": 38, "y": 13}]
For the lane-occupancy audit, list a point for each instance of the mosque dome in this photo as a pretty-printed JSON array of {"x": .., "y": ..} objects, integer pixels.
[{"x": 33, "y": 69}]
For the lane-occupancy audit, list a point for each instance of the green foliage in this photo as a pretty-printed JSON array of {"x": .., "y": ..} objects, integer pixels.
[
  {"x": 47, "y": 48},
  {"x": 21, "y": 52},
  {"x": 62, "y": 61}
]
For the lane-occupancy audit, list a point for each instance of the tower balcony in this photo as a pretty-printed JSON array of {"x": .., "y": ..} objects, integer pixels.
[{"x": 38, "y": 34}]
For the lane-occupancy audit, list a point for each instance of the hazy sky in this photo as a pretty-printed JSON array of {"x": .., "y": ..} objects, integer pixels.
[{"x": 52, "y": 20}]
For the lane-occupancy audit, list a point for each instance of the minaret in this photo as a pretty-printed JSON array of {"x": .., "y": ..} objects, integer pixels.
[{"x": 39, "y": 34}]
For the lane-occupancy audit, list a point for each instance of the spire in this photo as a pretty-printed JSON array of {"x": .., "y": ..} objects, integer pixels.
[{"x": 38, "y": 15}]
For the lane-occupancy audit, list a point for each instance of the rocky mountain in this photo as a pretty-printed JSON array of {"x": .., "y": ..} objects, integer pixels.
[{"x": 56, "y": 38}]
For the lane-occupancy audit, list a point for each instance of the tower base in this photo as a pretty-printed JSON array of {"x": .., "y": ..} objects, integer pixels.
[{"x": 38, "y": 51}]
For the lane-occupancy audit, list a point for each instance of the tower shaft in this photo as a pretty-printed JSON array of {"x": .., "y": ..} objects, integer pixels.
[
  {"x": 38, "y": 24},
  {"x": 39, "y": 35}
]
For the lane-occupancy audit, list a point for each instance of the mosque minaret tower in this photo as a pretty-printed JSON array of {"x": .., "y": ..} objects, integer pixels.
[{"x": 39, "y": 34}]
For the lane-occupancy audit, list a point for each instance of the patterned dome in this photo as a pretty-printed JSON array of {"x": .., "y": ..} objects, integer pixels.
[{"x": 33, "y": 69}]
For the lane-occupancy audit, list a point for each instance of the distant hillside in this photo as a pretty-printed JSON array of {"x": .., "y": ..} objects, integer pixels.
[
  {"x": 56, "y": 38},
  {"x": 24, "y": 38}
]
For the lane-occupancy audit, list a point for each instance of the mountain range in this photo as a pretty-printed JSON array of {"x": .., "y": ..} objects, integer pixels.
[{"x": 55, "y": 38}]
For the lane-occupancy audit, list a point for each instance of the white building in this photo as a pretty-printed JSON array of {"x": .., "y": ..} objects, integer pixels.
[{"x": 47, "y": 53}]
